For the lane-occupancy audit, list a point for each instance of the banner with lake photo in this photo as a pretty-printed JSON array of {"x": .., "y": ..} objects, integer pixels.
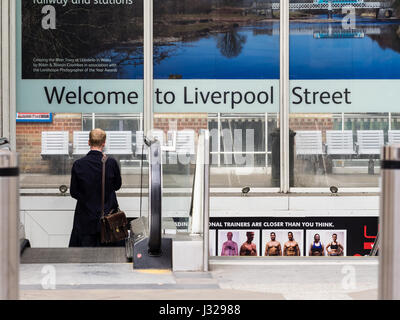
[
  {"x": 79, "y": 56},
  {"x": 81, "y": 39},
  {"x": 87, "y": 55},
  {"x": 344, "y": 56}
]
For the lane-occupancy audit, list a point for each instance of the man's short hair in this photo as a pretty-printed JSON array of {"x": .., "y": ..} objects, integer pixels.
[{"x": 97, "y": 137}]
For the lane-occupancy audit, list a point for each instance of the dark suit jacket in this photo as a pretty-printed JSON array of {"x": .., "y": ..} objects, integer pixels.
[{"x": 86, "y": 188}]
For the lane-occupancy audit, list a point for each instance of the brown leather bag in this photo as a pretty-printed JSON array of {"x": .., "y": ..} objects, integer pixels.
[{"x": 114, "y": 225}]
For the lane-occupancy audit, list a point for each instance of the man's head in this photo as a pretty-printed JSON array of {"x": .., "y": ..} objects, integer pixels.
[
  {"x": 273, "y": 236},
  {"x": 290, "y": 235},
  {"x": 97, "y": 139},
  {"x": 250, "y": 236},
  {"x": 229, "y": 235}
]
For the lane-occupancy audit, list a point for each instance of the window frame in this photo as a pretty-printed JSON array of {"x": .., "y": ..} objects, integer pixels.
[{"x": 8, "y": 89}]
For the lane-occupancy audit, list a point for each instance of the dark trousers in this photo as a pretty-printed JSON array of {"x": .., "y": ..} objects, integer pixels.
[
  {"x": 90, "y": 240},
  {"x": 84, "y": 240}
]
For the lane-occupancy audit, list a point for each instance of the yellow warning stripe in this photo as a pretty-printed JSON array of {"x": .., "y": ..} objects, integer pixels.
[{"x": 154, "y": 271}]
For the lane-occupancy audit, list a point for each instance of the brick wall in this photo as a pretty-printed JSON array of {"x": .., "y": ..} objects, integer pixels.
[
  {"x": 29, "y": 139},
  {"x": 311, "y": 122},
  {"x": 29, "y": 134},
  {"x": 173, "y": 121}
]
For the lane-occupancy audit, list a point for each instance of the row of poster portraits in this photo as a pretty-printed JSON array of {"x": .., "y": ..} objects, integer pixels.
[
  {"x": 284, "y": 242},
  {"x": 292, "y": 236}
]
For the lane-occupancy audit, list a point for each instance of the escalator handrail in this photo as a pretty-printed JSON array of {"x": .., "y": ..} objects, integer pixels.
[{"x": 155, "y": 197}]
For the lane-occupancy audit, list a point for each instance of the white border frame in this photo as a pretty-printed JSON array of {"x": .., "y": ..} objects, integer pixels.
[
  {"x": 284, "y": 100},
  {"x": 148, "y": 75}
]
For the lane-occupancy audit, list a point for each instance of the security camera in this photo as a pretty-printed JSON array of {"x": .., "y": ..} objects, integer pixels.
[
  {"x": 63, "y": 189},
  {"x": 334, "y": 190}
]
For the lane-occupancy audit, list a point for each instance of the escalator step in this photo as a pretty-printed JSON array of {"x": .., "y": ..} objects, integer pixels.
[{"x": 74, "y": 255}]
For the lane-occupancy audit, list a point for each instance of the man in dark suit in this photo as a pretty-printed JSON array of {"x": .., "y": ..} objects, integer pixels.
[{"x": 85, "y": 187}]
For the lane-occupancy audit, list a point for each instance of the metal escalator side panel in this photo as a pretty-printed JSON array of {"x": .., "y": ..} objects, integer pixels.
[{"x": 155, "y": 198}]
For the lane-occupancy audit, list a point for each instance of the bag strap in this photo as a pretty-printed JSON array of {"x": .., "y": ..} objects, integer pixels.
[{"x": 103, "y": 184}]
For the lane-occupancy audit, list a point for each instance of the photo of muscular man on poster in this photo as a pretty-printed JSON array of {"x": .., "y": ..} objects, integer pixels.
[
  {"x": 230, "y": 247},
  {"x": 273, "y": 247},
  {"x": 249, "y": 248},
  {"x": 291, "y": 247}
]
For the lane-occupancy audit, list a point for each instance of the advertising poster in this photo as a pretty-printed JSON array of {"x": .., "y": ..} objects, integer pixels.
[
  {"x": 215, "y": 56},
  {"x": 79, "y": 56},
  {"x": 278, "y": 242},
  {"x": 342, "y": 60},
  {"x": 239, "y": 242},
  {"x": 344, "y": 56},
  {"x": 212, "y": 247},
  {"x": 92, "y": 39},
  {"x": 87, "y": 55},
  {"x": 333, "y": 242},
  {"x": 340, "y": 236},
  {"x": 209, "y": 56}
]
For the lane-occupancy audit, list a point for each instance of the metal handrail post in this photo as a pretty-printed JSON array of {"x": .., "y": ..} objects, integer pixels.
[
  {"x": 389, "y": 254},
  {"x": 9, "y": 225},
  {"x": 206, "y": 200}
]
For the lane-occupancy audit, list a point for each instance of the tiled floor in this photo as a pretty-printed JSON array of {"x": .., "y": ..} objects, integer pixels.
[{"x": 226, "y": 280}]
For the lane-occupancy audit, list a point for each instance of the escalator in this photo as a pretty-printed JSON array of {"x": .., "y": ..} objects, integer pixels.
[
  {"x": 147, "y": 247},
  {"x": 147, "y": 236}
]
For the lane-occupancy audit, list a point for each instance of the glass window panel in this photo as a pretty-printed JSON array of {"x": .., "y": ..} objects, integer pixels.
[
  {"x": 39, "y": 169},
  {"x": 216, "y": 67},
  {"x": 344, "y": 68},
  {"x": 200, "y": 50}
]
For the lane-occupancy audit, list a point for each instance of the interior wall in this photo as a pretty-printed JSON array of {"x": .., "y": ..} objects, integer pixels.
[{"x": 48, "y": 219}]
